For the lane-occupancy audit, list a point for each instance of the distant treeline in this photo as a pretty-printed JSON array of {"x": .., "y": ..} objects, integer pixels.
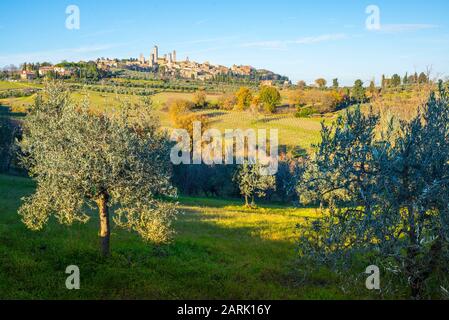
[{"x": 17, "y": 93}]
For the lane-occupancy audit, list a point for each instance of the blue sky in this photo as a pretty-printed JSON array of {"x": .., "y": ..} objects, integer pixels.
[{"x": 301, "y": 39}]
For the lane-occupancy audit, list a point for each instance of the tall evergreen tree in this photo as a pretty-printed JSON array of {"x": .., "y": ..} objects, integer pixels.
[
  {"x": 335, "y": 83},
  {"x": 395, "y": 80},
  {"x": 422, "y": 78},
  {"x": 405, "y": 80},
  {"x": 358, "y": 91}
]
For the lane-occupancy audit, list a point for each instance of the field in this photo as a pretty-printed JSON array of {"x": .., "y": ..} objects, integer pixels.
[
  {"x": 221, "y": 251},
  {"x": 7, "y": 85},
  {"x": 302, "y": 132},
  {"x": 292, "y": 131}
]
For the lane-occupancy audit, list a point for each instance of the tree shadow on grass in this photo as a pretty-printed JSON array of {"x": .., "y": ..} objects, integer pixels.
[
  {"x": 211, "y": 257},
  {"x": 205, "y": 261},
  {"x": 6, "y": 112}
]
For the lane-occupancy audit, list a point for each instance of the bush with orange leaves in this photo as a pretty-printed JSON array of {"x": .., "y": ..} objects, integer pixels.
[
  {"x": 182, "y": 117},
  {"x": 323, "y": 101}
]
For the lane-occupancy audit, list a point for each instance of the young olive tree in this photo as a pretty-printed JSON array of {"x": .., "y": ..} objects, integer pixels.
[
  {"x": 251, "y": 182},
  {"x": 104, "y": 160},
  {"x": 385, "y": 196}
]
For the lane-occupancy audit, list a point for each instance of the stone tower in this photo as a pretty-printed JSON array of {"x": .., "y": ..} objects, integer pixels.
[{"x": 156, "y": 53}]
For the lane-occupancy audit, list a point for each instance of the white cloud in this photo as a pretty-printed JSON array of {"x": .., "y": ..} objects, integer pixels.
[
  {"x": 201, "y": 41},
  {"x": 98, "y": 33},
  {"x": 205, "y": 50},
  {"x": 266, "y": 44},
  {"x": 201, "y": 22},
  {"x": 410, "y": 27},
  {"x": 282, "y": 44},
  {"x": 56, "y": 55},
  {"x": 322, "y": 38}
]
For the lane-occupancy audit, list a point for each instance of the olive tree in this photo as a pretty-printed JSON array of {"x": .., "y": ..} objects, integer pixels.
[
  {"x": 384, "y": 195},
  {"x": 252, "y": 182},
  {"x": 106, "y": 160}
]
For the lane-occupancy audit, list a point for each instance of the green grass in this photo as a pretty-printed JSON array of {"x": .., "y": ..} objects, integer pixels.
[
  {"x": 292, "y": 131},
  {"x": 161, "y": 98},
  {"x": 102, "y": 101},
  {"x": 221, "y": 251},
  {"x": 7, "y": 85},
  {"x": 302, "y": 132},
  {"x": 18, "y": 105}
]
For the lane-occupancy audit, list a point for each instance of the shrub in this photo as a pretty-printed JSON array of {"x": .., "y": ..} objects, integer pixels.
[
  {"x": 178, "y": 107},
  {"x": 227, "y": 101},
  {"x": 182, "y": 117},
  {"x": 244, "y": 98},
  {"x": 305, "y": 112},
  {"x": 323, "y": 101},
  {"x": 200, "y": 99},
  {"x": 296, "y": 97},
  {"x": 270, "y": 98}
]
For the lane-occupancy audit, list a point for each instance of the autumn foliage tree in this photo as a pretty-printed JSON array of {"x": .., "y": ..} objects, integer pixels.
[
  {"x": 296, "y": 97},
  {"x": 301, "y": 84},
  {"x": 112, "y": 162},
  {"x": 321, "y": 83},
  {"x": 270, "y": 98},
  {"x": 200, "y": 99},
  {"x": 227, "y": 101},
  {"x": 182, "y": 116},
  {"x": 321, "y": 101},
  {"x": 244, "y": 98}
]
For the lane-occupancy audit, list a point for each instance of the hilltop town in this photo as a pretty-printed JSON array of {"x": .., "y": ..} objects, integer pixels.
[
  {"x": 169, "y": 65},
  {"x": 166, "y": 65}
]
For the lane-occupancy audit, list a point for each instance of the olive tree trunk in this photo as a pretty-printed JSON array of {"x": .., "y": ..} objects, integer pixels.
[{"x": 105, "y": 230}]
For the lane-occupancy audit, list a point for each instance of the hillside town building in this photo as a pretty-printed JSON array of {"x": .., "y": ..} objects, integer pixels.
[{"x": 172, "y": 66}]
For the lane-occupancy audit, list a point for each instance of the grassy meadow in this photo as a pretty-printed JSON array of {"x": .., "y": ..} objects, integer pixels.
[
  {"x": 220, "y": 251},
  {"x": 302, "y": 132},
  {"x": 9, "y": 85}
]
